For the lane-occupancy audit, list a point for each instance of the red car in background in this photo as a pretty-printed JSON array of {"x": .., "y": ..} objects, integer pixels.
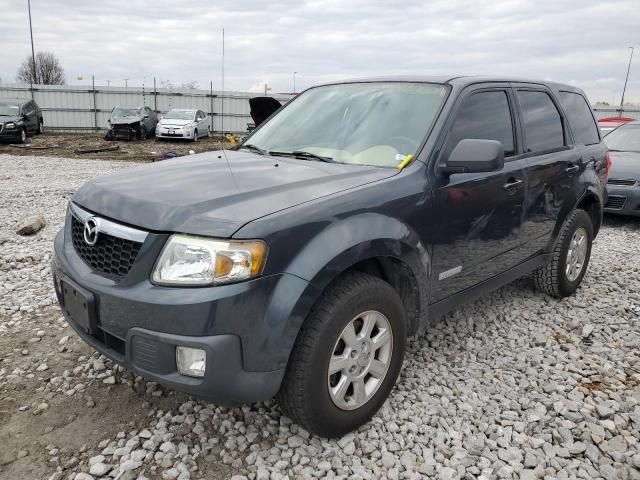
[{"x": 609, "y": 123}]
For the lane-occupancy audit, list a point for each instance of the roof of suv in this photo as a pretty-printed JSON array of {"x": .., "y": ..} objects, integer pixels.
[{"x": 458, "y": 80}]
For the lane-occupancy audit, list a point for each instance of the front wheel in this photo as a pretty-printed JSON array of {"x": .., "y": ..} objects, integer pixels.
[
  {"x": 570, "y": 257},
  {"x": 23, "y": 135},
  {"x": 40, "y": 129},
  {"x": 347, "y": 356},
  {"x": 195, "y": 135}
]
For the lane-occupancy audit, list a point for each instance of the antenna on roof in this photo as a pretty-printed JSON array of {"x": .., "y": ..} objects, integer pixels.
[
  {"x": 224, "y": 153},
  {"x": 222, "y": 96}
]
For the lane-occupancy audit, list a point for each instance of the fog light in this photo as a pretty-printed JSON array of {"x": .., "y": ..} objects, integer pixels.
[{"x": 191, "y": 361}]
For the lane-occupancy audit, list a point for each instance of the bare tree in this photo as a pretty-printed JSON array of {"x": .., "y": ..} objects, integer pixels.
[
  {"x": 191, "y": 85},
  {"x": 48, "y": 70}
]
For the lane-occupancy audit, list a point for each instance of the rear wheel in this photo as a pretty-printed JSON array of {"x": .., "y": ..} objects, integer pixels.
[
  {"x": 347, "y": 356},
  {"x": 570, "y": 257}
]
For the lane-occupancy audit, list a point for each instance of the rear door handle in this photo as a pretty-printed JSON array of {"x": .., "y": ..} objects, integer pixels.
[
  {"x": 512, "y": 184},
  {"x": 571, "y": 169}
]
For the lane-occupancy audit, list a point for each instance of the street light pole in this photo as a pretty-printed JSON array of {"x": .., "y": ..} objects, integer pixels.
[
  {"x": 294, "y": 82},
  {"x": 625, "y": 82},
  {"x": 126, "y": 82},
  {"x": 33, "y": 52}
]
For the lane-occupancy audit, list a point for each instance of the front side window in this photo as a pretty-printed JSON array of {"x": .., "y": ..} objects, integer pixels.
[
  {"x": 484, "y": 116},
  {"x": 543, "y": 130},
  {"x": 369, "y": 123},
  {"x": 583, "y": 126}
]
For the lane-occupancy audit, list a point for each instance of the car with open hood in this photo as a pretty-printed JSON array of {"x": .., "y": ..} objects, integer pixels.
[
  {"x": 18, "y": 119},
  {"x": 623, "y": 185},
  {"x": 183, "y": 123},
  {"x": 299, "y": 264},
  {"x": 129, "y": 123}
]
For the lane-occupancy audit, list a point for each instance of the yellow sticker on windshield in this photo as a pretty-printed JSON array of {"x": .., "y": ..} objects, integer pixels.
[{"x": 405, "y": 162}]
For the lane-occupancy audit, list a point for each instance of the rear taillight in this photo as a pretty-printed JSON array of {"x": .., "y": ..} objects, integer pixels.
[{"x": 607, "y": 164}]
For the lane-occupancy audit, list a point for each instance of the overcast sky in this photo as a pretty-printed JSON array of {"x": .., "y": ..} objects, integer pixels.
[{"x": 584, "y": 42}]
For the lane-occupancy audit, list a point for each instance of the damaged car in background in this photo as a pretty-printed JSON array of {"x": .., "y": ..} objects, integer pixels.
[{"x": 131, "y": 123}]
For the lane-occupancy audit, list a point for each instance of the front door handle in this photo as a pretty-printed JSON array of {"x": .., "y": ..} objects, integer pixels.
[
  {"x": 512, "y": 184},
  {"x": 571, "y": 169}
]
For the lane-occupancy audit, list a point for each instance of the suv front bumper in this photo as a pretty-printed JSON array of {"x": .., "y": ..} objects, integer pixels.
[{"x": 244, "y": 327}]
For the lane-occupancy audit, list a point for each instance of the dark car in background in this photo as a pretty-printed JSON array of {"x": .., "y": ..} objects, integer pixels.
[
  {"x": 18, "y": 119},
  {"x": 130, "y": 123},
  {"x": 299, "y": 264},
  {"x": 623, "y": 185}
]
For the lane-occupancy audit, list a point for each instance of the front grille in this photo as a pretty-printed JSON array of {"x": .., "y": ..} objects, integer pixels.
[
  {"x": 111, "y": 255},
  {"x": 618, "y": 181},
  {"x": 615, "y": 202}
]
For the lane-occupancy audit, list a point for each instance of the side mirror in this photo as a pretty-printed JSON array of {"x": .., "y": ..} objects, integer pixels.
[{"x": 475, "y": 156}]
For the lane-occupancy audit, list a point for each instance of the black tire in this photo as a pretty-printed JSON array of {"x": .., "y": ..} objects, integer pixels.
[
  {"x": 40, "y": 129},
  {"x": 23, "y": 136},
  {"x": 142, "y": 133},
  {"x": 552, "y": 278},
  {"x": 195, "y": 135},
  {"x": 304, "y": 394}
]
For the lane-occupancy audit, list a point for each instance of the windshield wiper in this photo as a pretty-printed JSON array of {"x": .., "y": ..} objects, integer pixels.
[
  {"x": 302, "y": 154},
  {"x": 253, "y": 148}
]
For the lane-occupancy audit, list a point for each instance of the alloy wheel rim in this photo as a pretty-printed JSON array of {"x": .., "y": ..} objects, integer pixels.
[
  {"x": 23, "y": 135},
  {"x": 360, "y": 360},
  {"x": 576, "y": 255}
]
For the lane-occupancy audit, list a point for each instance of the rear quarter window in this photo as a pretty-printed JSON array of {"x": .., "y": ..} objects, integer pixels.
[{"x": 583, "y": 126}]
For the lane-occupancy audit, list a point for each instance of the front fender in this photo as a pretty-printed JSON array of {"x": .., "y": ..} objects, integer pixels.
[{"x": 345, "y": 243}]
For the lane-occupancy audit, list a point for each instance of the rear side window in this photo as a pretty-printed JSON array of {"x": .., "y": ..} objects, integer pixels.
[
  {"x": 583, "y": 126},
  {"x": 484, "y": 116},
  {"x": 543, "y": 130}
]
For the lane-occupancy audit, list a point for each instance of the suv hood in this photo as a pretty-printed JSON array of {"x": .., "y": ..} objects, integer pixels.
[
  {"x": 625, "y": 165},
  {"x": 206, "y": 195}
]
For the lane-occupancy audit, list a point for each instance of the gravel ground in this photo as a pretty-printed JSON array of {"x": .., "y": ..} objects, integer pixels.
[
  {"x": 515, "y": 385},
  {"x": 65, "y": 144}
]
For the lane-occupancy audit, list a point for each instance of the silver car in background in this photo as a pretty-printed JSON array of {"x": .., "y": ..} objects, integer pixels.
[{"x": 183, "y": 123}]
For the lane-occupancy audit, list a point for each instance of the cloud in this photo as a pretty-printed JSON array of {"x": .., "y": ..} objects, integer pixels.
[{"x": 582, "y": 41}]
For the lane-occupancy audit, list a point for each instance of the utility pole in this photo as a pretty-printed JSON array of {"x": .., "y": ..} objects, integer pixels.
[
  {"x": 126, "y": 82},
  {"x": 625, "y": 82},
  {"x": 294, "y": 82},
  {"x": 108, "y": 83},
  {"x": 33, "y": 51}
]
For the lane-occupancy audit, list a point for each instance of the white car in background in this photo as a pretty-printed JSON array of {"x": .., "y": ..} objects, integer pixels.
[{"x": 183, "y": 123}]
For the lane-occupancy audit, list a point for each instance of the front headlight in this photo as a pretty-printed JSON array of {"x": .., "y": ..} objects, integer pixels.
[
  {"x": 196, "y": 261},
  {"x": 10, "y": 125}
]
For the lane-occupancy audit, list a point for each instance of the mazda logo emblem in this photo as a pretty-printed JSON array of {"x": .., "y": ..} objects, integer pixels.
[{"x": 91, "y": 231}]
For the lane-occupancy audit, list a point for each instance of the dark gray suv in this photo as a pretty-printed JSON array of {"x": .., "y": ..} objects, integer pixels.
[
  {"x": 18, "y": 119},
  {"x": 299, "y": 264}
]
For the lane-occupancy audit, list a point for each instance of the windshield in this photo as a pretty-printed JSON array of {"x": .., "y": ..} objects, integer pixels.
[
  {"x": 124, "y": 112},
  {"x": 359, "y": 123},
  {"x": 179, "y": 115},
  {"x": 625, "y": 138},
  {"x": 9, "y": 110}
]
